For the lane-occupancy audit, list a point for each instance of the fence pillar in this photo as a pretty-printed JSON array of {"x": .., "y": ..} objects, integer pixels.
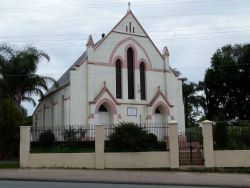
[
  {"x": 99, "y": 147},
  {"x": 24, "y": 146},
  {"x": 173, "y": 144},
  {"x": 207, "y": 131}
]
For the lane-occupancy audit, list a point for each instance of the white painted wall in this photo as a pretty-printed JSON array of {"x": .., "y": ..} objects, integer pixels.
[{"x": 87, "y": 80}]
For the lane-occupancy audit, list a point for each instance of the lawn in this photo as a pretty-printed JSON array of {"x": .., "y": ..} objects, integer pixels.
[{"x": 9, "y": 164}]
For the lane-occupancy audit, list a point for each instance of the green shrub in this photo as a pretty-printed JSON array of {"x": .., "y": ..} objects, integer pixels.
[
  {"x": 72, "y": 134},
  {"x": 220, "y": 132},
  {"x": 150, "y": 140},
  {"x": 131, "y": 137},
  {"x": 47, "y": 139}
]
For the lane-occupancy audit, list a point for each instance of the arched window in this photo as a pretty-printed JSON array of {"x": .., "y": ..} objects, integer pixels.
[
  {"x": 143, "y": 81},
  {"x": 130, "y": 59},
  {"x": 118, "y": 66}
]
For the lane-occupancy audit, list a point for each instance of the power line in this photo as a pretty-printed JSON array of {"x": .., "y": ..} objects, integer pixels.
[
  {"x": 111, "y": 71},
  {"x": 160, "y": 37},
  {"x": 162, "y": 40},
  {"x": 168, "y": 33},
  {"x": 141, "y": 17},
  {"x": 109, "y": 5}
]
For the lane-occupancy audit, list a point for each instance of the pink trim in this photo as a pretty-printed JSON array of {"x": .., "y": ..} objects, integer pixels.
[
  {"x": 91, "y": 116},
  {"x": 149, "y": 117},
  {"x": 164, "y": 107},
  {"x": 142, "y": 60},
  {"x": 124, "y": 63},
  {"x": 103, "y": 90},
  {"x": 157, "y": 70},
  {"x": 119, "y": 116},
  {"x": 106, "y": 101},
  {"x": 130, "y": 12},
  {"x": 159, "y": 93},
  {"x": 134, "y": 55},
  {"x": 101, "y": 64},
  {"x": 134, "y": 48}
]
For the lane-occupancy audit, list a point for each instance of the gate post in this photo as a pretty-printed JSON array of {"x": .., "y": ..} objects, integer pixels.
[
  {"x": 99, "y": 147},
  {"x": 24, "y": 146},
  {"x": 207, "y": 131},
  {"x": 173, "y": 144}
]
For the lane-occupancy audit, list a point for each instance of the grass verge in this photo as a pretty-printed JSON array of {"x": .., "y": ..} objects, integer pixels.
[{"x": 9, "y": 164}]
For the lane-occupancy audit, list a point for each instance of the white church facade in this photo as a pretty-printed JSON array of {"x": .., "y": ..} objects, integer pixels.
[{"x": 121, "y": 78}]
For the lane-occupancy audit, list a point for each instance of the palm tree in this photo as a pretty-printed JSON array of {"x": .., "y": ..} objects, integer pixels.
[
  {"x": 18, "y": 78},
  {"x": 194, "y": 103}
]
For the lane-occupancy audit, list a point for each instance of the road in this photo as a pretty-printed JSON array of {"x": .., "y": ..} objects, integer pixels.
[
  {"x": 37, "y": 184},
  {"x": 117, "y": 177}
]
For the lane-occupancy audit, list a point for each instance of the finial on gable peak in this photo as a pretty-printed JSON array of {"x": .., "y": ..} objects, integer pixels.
[
  {"x": 165, "y": 52},
  {"x": 129, "y": 6},
  {"x": 90, "y": 42}
]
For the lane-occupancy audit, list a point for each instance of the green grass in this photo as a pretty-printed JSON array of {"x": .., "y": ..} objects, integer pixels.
[
  {"x": 61, "y": 150},
  {"x": 9, "y": 164}
]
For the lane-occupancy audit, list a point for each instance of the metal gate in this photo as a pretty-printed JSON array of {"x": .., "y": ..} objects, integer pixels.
[{"x": 191, "y": 147}]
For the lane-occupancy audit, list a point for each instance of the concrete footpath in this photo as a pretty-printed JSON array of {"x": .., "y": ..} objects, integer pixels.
[{"x": 127, "y": 176}]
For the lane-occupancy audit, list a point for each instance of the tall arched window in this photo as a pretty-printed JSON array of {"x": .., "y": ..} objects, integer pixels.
[
  {"x": 118, "y": 66},
  {"x": 143, "y": 81},
  {"x": 130, "y": 59}
]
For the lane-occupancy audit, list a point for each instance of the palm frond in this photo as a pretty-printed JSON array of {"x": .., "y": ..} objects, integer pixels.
[{"x": 29, "y": 99}]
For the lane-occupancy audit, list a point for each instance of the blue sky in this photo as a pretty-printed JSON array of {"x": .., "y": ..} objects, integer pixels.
[{"x": 192, "y": 29}]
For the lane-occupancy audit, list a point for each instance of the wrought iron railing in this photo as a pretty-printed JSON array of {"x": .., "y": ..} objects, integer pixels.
[
  {"x": 230, "y": 135},
  {"x": 73, "y": 138}
]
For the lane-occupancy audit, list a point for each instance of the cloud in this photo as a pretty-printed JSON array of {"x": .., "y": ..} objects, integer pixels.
[{"x": 191, "y": 29}]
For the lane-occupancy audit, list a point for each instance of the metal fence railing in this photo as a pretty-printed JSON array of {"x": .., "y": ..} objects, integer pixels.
[
  {"x": 231, "y": 135},
  {"x": 159, "y": 130},
  {"x": 73, "y": 138},
  {"x": 81, "y": 138}
]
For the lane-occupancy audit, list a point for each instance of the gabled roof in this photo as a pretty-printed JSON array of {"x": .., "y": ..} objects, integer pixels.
[
  {"x": 158, "y": 94},
  {"x": 131, "y": 13},
  {"x": 102, "y": 91}
]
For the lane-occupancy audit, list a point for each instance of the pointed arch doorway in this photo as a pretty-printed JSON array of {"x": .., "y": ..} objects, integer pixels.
[
  {"x": 161, "y": 113},
  {"x": 158, "y": 116},
  {"x": 104, "y": 115}
]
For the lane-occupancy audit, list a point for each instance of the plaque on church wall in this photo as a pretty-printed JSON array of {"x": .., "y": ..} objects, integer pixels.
[{"x": 132, "y": 111}]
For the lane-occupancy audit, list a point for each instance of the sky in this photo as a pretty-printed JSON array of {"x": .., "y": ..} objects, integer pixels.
[{"x": 191, "y": 29}]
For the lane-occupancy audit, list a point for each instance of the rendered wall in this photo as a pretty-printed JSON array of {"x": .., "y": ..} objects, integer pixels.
[
  {"x": 232, "y": 158},
  {"x": 78, "y": 96},
  {"x": 62, "y": 160},
  {"x": 137, "y": 160}
]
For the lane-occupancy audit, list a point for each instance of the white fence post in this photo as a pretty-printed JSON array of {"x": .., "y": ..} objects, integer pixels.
[
  {"x": 24, "y": 146},
  {"x": 99, "y": 146},
  {"x": 207, "y": 131},
  {"x": 173, "y": 144}
]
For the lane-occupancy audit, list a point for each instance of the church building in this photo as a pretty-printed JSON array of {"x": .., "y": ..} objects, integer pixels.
[{"x": 121, "y": 78}]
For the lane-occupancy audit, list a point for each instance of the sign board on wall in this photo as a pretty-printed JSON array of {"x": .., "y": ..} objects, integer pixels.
[{"x": 132, "y": 111}]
